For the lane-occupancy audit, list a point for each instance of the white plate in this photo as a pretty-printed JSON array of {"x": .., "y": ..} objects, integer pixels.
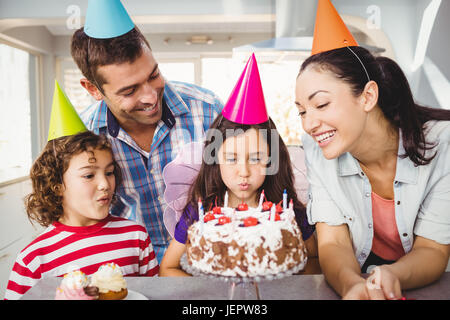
[{"x": 133, "y": 295}]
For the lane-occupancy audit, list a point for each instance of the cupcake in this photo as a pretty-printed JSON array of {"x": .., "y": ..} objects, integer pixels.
[
  {"x": 75, "y": 286},
  {"x": 110, "y": 282}
]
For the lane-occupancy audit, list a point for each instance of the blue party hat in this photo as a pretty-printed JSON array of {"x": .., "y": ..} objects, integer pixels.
[{"x": 107, "y": 19}]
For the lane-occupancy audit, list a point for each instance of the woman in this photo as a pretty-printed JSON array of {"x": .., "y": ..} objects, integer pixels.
[{"x": 379, "y": 173}]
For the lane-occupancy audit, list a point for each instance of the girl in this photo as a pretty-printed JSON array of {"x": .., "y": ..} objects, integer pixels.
[
  {"x": 379, "y": 167},
  {"x": 74, "y": 182},
  {"x": 238, "y": 167}
]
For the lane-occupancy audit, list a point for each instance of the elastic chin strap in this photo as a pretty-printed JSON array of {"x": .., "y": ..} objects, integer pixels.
[
  {"x": 365, "y": 70},
  {"x": 56, "y": 158},
  {"x": 220, "y": 121}
]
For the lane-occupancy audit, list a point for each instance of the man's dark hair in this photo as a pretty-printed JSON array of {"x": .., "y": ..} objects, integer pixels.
[{"x": 90, "y": 53}]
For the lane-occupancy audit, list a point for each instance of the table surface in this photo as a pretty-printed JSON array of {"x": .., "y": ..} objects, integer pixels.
[{"x": 296, "y": 287}]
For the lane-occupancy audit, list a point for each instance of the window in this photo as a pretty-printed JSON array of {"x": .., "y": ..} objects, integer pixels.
[
  {"x": 78, "y": 96},
  {"x": 179, "y": 71},
  {"x": 220, "y": 75},
  {"x": 18, "y": 119}
]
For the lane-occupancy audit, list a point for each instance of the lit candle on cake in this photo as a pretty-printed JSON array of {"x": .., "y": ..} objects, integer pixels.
[
  {"x": 261, "y": 199},
  {"x": 233, "y": 223},
  {"x": 225, "y": 201},
  {"x": 201, "y": 214},
  {"x": 291, "y": 205},
  {"x": 284, "y": 200},
  {"x": 272, "y": 213}
]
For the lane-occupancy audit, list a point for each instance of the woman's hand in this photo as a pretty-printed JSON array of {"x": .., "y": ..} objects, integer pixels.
[
  {"x": 357, "y": 292},
  {"x": 382, "y": 284}
]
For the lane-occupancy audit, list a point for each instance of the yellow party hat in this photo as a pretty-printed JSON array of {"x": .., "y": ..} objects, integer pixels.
[{"x": 64, "y": 120}]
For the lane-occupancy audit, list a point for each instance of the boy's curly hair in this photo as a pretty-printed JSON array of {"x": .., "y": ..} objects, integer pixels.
[{"x": 44, "y": 204}]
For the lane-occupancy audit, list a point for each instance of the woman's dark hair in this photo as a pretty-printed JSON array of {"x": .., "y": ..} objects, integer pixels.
[
  {"x": 91, "y": 53},
  {"x": 44, "y": 203},
  {"x": 209, "y": 185},
  {"x": 395, "y": 98}
]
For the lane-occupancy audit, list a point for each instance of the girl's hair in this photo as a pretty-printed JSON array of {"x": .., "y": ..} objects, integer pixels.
[
  {"x": 44, "y": 204},
  {"x": 209, "y": 185},
  {"x": 395, "y": 98}
]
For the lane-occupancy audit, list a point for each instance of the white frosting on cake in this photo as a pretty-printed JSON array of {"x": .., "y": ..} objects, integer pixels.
[{"x": 232, "y": 249}]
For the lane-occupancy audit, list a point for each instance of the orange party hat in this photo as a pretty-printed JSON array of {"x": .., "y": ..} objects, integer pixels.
[{"x": 330, "y": 32}]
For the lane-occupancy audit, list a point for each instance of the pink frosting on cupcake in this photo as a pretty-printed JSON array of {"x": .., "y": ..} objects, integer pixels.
[
  {"x": 75, "y": 286},
  {"x": 64, "y": 293}
]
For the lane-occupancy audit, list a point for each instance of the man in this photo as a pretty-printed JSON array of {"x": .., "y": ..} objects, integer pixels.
[{"x": 146, "y": 118}]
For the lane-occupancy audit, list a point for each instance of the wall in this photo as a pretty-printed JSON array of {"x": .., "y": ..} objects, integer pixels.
[
  {"x": 404, "y": 37},
  {"x": 16, "y": 229},
  {"x": 437, "y": 55}
]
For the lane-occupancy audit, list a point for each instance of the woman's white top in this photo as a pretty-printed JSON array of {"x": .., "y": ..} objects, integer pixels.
[{"x": 340, "y": 193}]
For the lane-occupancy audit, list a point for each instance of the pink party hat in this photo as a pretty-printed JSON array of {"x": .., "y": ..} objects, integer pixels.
[{"x": 246, "y": 103}]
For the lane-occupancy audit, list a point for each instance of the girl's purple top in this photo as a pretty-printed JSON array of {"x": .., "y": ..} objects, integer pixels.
[{"x": 190, "y": 215}]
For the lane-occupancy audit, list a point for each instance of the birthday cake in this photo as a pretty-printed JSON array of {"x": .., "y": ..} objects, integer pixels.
[{"x": 246, "y": 242}]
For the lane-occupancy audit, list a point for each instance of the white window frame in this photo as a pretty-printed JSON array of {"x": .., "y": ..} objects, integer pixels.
[
  {"x": 195, "y": 58},
  {"x": 36, "y": 106}
]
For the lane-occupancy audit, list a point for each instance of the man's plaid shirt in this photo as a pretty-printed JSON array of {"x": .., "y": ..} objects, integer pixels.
[{"x": 188, "y": 111}]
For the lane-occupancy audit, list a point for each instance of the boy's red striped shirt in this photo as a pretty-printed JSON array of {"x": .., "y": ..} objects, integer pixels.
[{"x": 61, "y": 248}]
